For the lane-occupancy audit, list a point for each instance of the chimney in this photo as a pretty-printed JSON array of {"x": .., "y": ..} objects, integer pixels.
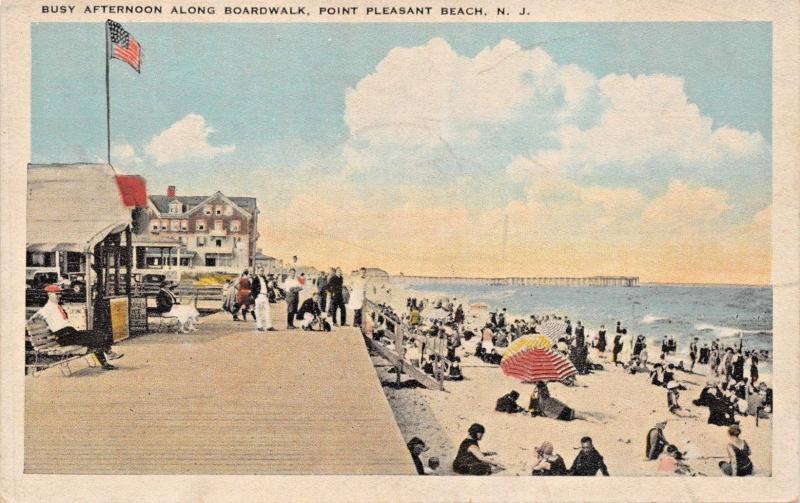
[{"x": 171, "y": 192}]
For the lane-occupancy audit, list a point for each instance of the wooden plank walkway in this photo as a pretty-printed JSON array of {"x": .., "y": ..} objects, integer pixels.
[{"x": 225, "y": 400}]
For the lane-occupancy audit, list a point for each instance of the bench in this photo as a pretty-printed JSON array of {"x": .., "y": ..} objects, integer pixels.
[
  {"x": 43, "y": 351},
  {"x": 163, "y": 323}
]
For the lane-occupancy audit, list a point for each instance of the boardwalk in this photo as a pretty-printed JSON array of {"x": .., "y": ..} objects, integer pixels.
[{"x": 226, "y": 400}]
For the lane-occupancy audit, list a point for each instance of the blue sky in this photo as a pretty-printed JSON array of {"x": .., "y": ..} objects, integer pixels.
[{"x": 275, "y": 97}]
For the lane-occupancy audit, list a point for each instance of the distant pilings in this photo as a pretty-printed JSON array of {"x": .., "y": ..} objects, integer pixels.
[{"x": 599, "y": 281}]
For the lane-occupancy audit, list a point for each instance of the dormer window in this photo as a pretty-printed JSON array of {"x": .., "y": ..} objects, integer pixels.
[{"x": 175, "y": 207}]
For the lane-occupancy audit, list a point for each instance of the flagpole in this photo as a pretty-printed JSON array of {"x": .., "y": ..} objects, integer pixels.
[{"x": 108, "y": 104}]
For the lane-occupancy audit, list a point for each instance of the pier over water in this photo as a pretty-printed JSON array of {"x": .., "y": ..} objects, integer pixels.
[{"x": 615, "y": 281}]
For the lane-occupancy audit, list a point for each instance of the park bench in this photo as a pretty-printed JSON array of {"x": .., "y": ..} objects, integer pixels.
[{"x": 43, "y": 351}]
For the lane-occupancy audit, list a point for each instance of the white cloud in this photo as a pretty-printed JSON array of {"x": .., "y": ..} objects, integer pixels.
[
  {"x": 184, "y": 140},
  {"x": 650, "y": 117},
  {"x": 438, "y": 141},
  {"x": 683, "y": 204},
  {"x": 124, "y": 154}
]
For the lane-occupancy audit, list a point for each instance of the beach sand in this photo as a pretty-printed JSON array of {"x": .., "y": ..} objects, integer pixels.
[{"x": 619, "y": 409}]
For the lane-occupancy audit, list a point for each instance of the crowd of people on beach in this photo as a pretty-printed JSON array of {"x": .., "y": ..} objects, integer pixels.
[{"x": 733, "y": 387}]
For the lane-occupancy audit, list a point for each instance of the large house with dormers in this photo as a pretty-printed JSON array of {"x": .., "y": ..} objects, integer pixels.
[{"x": 198, "y": 233}]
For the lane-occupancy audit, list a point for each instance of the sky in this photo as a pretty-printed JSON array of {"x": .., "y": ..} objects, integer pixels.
[{"x": 542, "y": 149}]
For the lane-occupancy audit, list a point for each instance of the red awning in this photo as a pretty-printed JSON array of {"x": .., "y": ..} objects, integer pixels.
[{"x": 132, "y": 190}]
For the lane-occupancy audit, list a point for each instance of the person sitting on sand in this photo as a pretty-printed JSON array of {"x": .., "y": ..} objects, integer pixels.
[
  {"x": 548, "y": 463},
  {"x": 508, "y": 403},
  {"x": 672, "y": 397},
  {"x": 455, "y": 370},
  {"x": 656, "y": 441},
  {"x": 739, "y": 463},
  {"x": 551, "y": 407},
  {"x": 479, "y": 350},
  {"x": 766, "y": 392},
  {"x": 709, "y": 391},
  {"x": 534, "y": 408},
  {"x": 657, "y": 375},
  {"x": 416, "y": 447},
  {"x": 669, "y": 375},
  {"x": 493, "y": 357},
  {"x": 720, "y": 410},
  {"x": 588, "y": 462},
  {"x": 469, "y": 459}
]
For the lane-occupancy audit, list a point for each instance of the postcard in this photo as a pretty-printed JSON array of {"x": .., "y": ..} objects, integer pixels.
[{"x": 433, "y": 251}]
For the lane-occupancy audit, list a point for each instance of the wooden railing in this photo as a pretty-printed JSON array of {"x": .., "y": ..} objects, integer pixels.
[{"x": 402, "y": 336}]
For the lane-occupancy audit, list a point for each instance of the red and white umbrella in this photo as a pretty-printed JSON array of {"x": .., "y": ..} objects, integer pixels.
[{"x": 531, "y": 359}]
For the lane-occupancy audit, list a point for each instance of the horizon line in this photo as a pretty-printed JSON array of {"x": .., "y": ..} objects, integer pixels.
[{"x": 666, "y": 283}]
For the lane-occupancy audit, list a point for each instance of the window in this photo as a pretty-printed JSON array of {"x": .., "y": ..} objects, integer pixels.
[
  {"x": 43, "y": 259},
  {"x": 207, "y": 210},
  {"x": 219, "y": 243},
  {"x": 235, "y": 224},
  {"x": 218, "y": 210},
  {"x": 175, "y": 225},
  {"x": 155, "y": 226},
  {"x": 200, "y": 225},
  {"x": 164, "y": 225},
  {"x": 184, "y": 225},
  {"x": 201, "y": 241},
  {"x": 228, "y": 210},
  {"x": 218, "y": 225}
]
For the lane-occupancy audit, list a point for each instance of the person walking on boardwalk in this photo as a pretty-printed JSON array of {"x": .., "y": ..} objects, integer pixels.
[
  {"x": 243, "y": 298},
  {"x": 358, "y": 291},
  {"x": 292, "y": 288},
  {"x": 260, "y": 292},
  {"x": 336, "y": 290}
]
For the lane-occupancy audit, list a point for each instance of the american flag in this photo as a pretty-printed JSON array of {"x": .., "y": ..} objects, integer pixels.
[{"x": 123, "y": 46}]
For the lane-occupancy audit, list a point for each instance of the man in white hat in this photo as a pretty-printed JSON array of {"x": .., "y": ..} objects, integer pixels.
[{"x": 58, "y": 322}]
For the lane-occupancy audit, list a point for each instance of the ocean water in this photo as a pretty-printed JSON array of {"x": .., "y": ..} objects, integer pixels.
[{"x": 685, "y": 312}]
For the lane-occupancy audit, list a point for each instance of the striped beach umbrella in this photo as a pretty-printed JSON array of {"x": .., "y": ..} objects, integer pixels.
[
  {"x": 531, "y": 359},
  {"x": 553, "y": 330}
]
